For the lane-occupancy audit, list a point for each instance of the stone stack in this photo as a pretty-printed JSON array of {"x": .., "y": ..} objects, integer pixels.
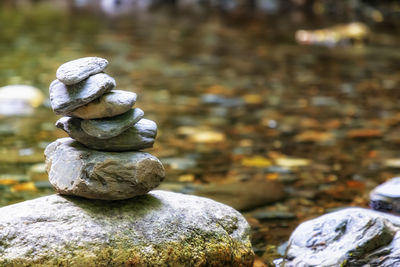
[{"x": 103, "y": 157}]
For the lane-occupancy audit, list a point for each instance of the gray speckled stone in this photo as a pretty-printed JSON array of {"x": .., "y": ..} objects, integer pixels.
[
  {"x": 386, "y": 197},
  {"x": 348, "y": 237},
  {"x": 110, "y": 127},
  {"x": 77, "y": 70},
  {"x": 158, "y": 229},
  {"x": 76, "y": 170},
  {"x": 139, "y": 136},
  {"x": 65, "y": 99},
  {"x": 110, "y": 104}
]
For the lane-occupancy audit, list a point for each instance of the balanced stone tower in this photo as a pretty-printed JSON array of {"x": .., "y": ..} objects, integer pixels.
[{"x": 103, "y": 158}]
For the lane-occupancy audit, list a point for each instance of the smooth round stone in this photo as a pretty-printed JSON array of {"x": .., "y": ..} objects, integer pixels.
[
  {"x": 110, "y": 104},
  {"x": 77, "y": 70},
  {"x": 139, "y": 136},
  {"x": 65, "y": 99},
  {"x": 77, "y": 170},
  {"x": 110, "y": 127},
  {"x": 386, "y": 197}
]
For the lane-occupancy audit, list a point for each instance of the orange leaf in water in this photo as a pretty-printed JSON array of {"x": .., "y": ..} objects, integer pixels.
[
  {"x": 364, "y": 133},
  {"x": 30, "y": 186}
]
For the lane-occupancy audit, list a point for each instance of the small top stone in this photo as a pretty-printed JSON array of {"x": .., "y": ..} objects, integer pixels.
[{"x": 79, "y": 69}]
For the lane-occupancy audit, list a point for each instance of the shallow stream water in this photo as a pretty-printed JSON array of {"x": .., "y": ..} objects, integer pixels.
[{"x": 235, "y": 99}]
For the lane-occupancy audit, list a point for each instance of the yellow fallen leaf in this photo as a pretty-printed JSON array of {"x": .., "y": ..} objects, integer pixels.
[
  {"x": 186, "y": 178},
  {"x": 292, "y": 162},
  {"x": 30, "y": 186},
  {"x": 208, "y": 137},
  {"x": 253, "y": 99},
  {"x": 256, "y": 161}
]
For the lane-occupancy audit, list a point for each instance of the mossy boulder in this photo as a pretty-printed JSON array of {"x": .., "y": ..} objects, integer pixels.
[{"x": 157, "y": 229}]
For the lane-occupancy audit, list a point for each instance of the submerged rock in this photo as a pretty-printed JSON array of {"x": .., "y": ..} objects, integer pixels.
[
  {"x": 65, "y": 99},
  {"x": 18, "y": 99},
  {"x": 112, "y": 103},
  {"x": 348, "y": 237},
  {"x": 157, "y": 229},
  {"x": 76, "y": 170},
  {"x": 77, "y": 70},
  {"x": 110, "y": 127},
  {"x": 243, "y": 195},
  {"x": 137, "y": 137},
  {"x": 386, "y": 197}
]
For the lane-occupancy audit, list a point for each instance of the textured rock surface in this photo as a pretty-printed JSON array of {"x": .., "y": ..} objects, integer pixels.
[
  {"x": 157, "y": 229},
  {"x": 65, "y": 99},
  {"x": 139, "y": 136},
  {"x": 76, "y": 170},
  {"x": 77, "y": 70},
  {"x": 386, "y": 196},
  {"x": 110, "y": 104},
  {"x": 348, "y": 237},
  {"x": 110, "y": 127}
]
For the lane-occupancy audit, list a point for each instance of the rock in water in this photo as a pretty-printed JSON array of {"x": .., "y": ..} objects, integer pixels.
[
  {"x": 348, "y": 237},
  {"x": 139, "y": 136},
  {"x": 110, "y": 104},
  {"x": 386, "y": 197},
  {"x": 110, "y": 127},
  {"x": 243, "y": 195},
  {"x": 76, "y": 170},
  {"x": 65, "y": 99},
  {"x": 77, "y": 70},
  {"x": 19, "y": 99},
  {"x": 157, "y": 229}
]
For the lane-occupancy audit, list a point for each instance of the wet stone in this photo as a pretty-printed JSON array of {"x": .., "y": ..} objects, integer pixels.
[
  {"x": 76, "y": 170},
  {"x": 65, "y": 99},
  {"x": 112, "y": 103},
  {"x": 386, "y": 197},
  {"x": 348, "y": 237},
  {"x": 77, "y": 70},
  {"x": 110, "y": 127},
  {"x": 137, "y": 137}
]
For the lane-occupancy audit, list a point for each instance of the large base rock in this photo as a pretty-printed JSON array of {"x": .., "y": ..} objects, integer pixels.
[
  {"x": 158, "y": 229},
  {"x": 77, "y": 170},
  {"x": 349, "y": 237}
]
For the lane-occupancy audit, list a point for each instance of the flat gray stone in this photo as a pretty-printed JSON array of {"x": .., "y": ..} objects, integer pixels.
[
  {"x": 76, "y": 170},
  {"x": 77, "y": 70},
  {"x": 139, "y": 136},
  {"x": 348, "y": 237},
  {"x": 157, "y": 229},
  {"x": 110, "y": 127},
  {"x": 110, "y": 104},
  {"x": 65, "y": 99}
]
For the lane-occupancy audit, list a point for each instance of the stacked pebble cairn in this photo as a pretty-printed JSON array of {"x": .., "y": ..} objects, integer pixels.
[{"x": 102, "y": 157}]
